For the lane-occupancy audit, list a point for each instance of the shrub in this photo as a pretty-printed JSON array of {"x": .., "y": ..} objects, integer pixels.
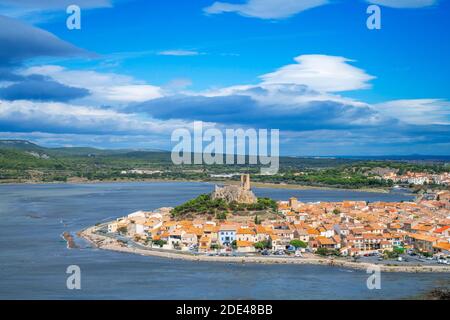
[
  {"x": 298, "y": 243},
  {"x": 322, "y": 251}
]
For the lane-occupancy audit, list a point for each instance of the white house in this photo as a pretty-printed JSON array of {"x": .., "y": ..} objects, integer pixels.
[
  {"x": 227, "y": 234},
  {"x": 136, "y": 214}
]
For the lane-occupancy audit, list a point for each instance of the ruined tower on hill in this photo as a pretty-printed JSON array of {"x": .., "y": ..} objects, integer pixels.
[
  {"x": 239, "y": 194},
  {"x": 245, "y": 181}
]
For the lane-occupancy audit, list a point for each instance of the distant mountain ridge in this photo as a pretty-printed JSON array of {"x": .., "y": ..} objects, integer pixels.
[
  {"x": 25, "y": 161},
  {"x": 25, "y": 145},
  {"x": 20, "y": 145}
]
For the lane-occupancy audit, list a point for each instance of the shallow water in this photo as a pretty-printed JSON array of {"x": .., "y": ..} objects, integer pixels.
[{"x": 34, "y": 257}]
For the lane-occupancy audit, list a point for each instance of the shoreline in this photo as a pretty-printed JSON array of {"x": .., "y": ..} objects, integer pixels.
[
  {"x": 107, "y": 243},
  {"x": 305, "y": 187},
  {"x": 255, "y": 184}
]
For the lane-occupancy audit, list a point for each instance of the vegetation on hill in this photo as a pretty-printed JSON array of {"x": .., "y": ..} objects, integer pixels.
[
  {"x": 204, "y": 204},
  {"x": 336, "y": 177}
]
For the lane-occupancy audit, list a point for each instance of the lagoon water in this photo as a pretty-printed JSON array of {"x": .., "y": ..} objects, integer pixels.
[{"x": 34, "y": 257}]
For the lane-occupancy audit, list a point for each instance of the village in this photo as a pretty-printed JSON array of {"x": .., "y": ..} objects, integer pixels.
[
  {"x": 418, "y": 178},
  {"x": 344, "y": 229}
]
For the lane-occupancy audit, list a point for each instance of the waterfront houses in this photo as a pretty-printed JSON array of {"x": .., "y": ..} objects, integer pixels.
[
  {"x": 418, "y": 178},
  {"x": 352, "y": 228}
]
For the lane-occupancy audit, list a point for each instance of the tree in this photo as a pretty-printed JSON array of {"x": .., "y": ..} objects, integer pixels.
[
  {"x": 234, "y": 244},
  {"x": 204, "y": 204},
  {"x": 215, "y": 246},
  {"x": 159, "y": 242},
  {"x": 259, "y": 245},
  {"x": 221, "y": 215},
  {"x": 399, "y": 250},
  {"x": 257, "y": 221},
  {"x": 322, "y": 251},
  {"x": 336, "y": 211},
  {"x": 267, "y": 203},
  {"x": 391, "y": 254},
  {"x": 298, "y": 243}
]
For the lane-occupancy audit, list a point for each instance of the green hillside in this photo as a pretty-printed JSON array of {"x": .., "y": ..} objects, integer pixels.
[{"x": 24, "y": 161}]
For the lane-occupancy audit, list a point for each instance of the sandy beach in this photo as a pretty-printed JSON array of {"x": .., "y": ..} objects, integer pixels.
[{"x": 107, "y": 243}]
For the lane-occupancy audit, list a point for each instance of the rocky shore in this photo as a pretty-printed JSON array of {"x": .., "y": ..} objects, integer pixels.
[
  {"x": 69, "y": 239},
  {"x": 107, "y": 243}
]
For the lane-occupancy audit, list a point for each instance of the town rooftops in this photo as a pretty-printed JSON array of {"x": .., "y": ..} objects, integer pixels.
[
  {"x": 241, "y": 244},
  {"x": 228, "y": 227},
  {"x": 245, "y": 231},
  {"x": 442, "y": 229},
  {"x": 176, "y": 232},
  {"x": 261, "y": 229},
  {"x": 325, "y": 241},
  {"x": 442, "y": 246},
  {"x": 312, "y": 231},
  {"x": 210, "y": 228},
  {"x": 422, "y": 227},
  {"x": 423, "y": 237}
]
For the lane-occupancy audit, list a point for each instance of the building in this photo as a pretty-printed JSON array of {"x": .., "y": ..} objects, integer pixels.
[
  {"x": 246, "y": 234},
  {"x": 293, "y": 203},
  {"x": 204, "y": 244},
  {"x": 227, "y": 234},
  {"x": 239, "y": 194},
  {"x": 422, "y": 242},
  {"x": 245, "y": 246},
  {"x": 442, "y": 248}
]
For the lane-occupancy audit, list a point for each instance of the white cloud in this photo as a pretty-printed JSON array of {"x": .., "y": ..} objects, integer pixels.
[
  {"x": 281, "y": 95},
  {"x": 321, "y": 73},
  {"x": 404, "y": 3},
  {"x": 417, "y": 111},
  {"x": 69, "y": 118},
  {"x": 43, "y": 10},
  {"x": 132, "y": 93},
  {"x": 178, "y": 53},
  {"x": 105, "y": 87},
  {"x": 295, "y": 98},
  {"x": 316, "y": 79},
  {"x": 265, "y": 9}
]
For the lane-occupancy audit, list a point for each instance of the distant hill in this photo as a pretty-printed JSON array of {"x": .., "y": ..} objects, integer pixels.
[
  {"x": 162, "y": 156},
  {"x": 20, "y": 145},
  {"x": 24, "y": 145},
  {"x": 24, "y": 161},
  {"x": 147, "y": 154},
  {"x": 412, "y": 157}
]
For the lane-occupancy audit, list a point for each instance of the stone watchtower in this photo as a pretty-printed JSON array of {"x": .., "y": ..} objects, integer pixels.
[
  {"x": 245, "y": 181},
  {"x": 239, "y": 194}
]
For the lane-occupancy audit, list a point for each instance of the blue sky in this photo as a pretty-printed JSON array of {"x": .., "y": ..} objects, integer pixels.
[{"x": 139, "y": 69}]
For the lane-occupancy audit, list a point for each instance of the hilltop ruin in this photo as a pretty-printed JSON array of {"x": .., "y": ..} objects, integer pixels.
[{"x": 233, "y": 193}]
